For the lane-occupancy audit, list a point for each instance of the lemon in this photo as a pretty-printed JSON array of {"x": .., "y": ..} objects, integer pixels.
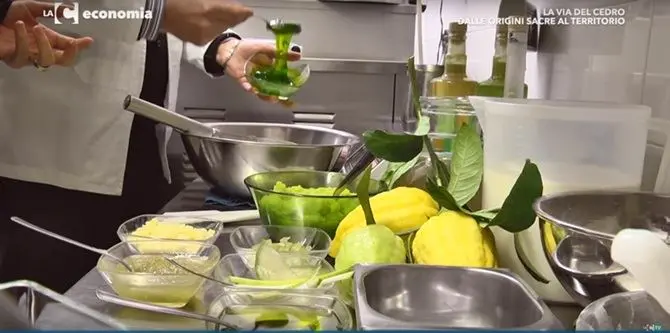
[{"x": 454, "y": 239}]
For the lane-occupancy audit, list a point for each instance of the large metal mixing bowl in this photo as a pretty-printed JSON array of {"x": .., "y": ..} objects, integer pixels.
[
  {"x": 225, "y": 163},
  {"x": 577, "y": 231}
]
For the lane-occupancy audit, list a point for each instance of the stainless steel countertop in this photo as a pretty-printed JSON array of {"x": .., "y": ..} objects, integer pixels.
[{"x": 191, "y": 198}]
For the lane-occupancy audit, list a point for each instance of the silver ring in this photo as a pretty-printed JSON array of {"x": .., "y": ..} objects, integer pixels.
[{"x": 39, "y": 67}]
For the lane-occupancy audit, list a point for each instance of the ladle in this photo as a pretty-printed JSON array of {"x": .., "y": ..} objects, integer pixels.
[
  {"x": 186, "y": 124},
  {"x": 43, "y": 231},
  {"x": 114, "y": 299},
  {"x": 586, "y": 257}
]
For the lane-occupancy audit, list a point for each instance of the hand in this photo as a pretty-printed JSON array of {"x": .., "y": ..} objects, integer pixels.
[
  {"x": 200, "y": 21},
  {"x": 24, "y": 42},
  {"x": 260, "y": 53}
]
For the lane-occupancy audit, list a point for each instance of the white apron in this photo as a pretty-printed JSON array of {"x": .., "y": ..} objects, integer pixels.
[{"x": 66, "y": 127}]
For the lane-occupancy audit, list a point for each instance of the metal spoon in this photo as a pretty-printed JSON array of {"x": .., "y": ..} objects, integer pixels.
[
  {"x": 101, "y": 251},
  {"x": 187, "y": 125},
  {"x": 586, "y": 257},
  {"x": 43, "y": 231},
  {"x": 276, "y": 24},
  {"x": 114, "y": 299}
]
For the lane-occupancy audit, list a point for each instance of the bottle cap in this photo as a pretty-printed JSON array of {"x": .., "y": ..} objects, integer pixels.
[{"x": 458, "y": 28}]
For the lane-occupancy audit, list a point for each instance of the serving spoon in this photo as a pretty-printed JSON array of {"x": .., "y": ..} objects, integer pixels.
[
  {"x": 105, "y": 253},
  {"x": 51, "y": 234},
  {"x": 118, "y": 300}
]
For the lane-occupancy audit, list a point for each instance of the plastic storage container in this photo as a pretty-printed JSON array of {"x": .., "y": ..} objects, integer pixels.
[{"x": 576, "y": 145}]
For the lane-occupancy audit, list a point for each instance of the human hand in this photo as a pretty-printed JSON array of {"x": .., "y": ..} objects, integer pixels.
[
  {"x": 200, "y": 21},
  {"x": 233, "y": 54},
  {"x": 23, "y": 41}
]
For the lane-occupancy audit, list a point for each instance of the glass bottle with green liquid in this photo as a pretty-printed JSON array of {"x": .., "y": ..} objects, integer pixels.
[
  {"x": 495, "y": 85},
  {"x": 450, "y": 91},
  {"x": 281, "y": 79}
]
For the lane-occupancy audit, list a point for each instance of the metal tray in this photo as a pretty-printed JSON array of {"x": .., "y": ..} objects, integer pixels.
[{"x": 36, "y": 298}]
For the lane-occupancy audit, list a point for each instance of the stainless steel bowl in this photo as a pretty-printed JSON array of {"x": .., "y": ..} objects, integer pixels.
[
  {"x": 577, "y": 231},
  {"x": 225, "y": 163}
]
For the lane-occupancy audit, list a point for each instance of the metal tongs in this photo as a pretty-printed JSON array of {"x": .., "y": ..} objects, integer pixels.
[{"x": 359, "y": 159}]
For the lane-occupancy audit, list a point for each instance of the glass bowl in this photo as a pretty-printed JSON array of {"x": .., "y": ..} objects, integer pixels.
[
  {"x": 154, "y": 279},
  {"x": 234, "y": 265},
  {"x": 267, "y": 82},
  {"x": 198, "y": 230},
  {"x": 245, "y": 240},
  {"x": 289, "y": 310},
  {"x": 321, "y": 211}
]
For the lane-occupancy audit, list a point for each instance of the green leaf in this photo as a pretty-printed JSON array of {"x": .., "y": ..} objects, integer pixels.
[
  {"x": 523, "y": 258},
  {"x": 363, "y": 193},
  {"x": 442, "y": 196},
  {"x": 516, "y": 213},
  {"x": 439, "y": 168},
  {"x": 467, "y": 165},
  {"x": 393, "y": 147},
  {"x": 422, "y": 126},
  {"x": 387, "y": 177},
  {"x": 484, "y": 216},
  {"x": 402, "y": 170}
]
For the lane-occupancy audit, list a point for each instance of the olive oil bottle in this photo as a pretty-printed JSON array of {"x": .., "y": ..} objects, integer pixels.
[
  {"x": 495, "y": 85},
  {"x": 454, "y": 82},
  {"x": 450, "y": 107}
]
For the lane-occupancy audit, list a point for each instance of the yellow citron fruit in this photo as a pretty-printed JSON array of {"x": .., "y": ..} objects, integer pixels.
[
  {"x": 549, "y": 239},
  {"x": 454, "y": 239},
  {"x": 401, "y": 209}
]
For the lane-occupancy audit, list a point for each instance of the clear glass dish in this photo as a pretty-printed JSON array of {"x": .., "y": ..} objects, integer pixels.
[
  {"x": 234, "y": 266},
  {"x": 254, "y": 309},
  {"x": 268, "y": 82},
  {"x": 154, "y": 279},
  {"x": 202, "y": 224},
  {"x": 246, "y": 239},
  {"x": 304, "y": 210}
]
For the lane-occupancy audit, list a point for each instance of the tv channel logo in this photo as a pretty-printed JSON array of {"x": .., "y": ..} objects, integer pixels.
[{"x": 68, "y": 13}]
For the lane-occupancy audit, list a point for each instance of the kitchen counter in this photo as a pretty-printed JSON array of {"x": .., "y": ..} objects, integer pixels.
[{"x": 191, "y": 198}]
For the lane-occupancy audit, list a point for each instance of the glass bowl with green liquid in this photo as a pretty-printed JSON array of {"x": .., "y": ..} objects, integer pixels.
[
  {"x": 282, "y": 82},
  {"x": 154, "y": 279}
]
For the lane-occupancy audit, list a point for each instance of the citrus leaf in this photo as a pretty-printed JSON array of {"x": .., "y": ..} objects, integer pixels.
[
  {"x": 442, "y": 196},
  {"x": 422, "y": 126},
  {"x": 439, "y": 168},
  {"x": 467, "y": 165},
  {"x": 393, "y": 147},
  {"x": 516, "y": 213},
  {"x": 402, "y": 170}
]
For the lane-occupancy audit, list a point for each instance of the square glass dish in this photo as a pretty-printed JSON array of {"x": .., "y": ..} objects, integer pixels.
[
  {"x": 233, "y": 269},
  {"x": 175, "y": 227},
  {"x": 154, "y": 279},
  {"x": 285, "y": 239},
  {"x": 254, "y": 309}
]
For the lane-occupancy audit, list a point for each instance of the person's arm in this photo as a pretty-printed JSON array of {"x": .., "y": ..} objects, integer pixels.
[{"x": 204, "y": 57}]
